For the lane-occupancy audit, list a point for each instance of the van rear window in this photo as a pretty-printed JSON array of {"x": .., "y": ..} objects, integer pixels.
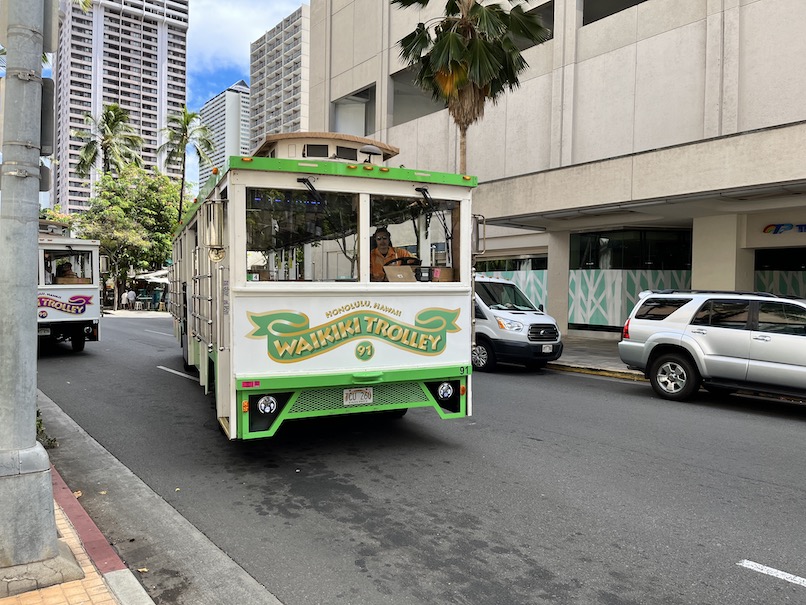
[{"x": 659, "y": 308}]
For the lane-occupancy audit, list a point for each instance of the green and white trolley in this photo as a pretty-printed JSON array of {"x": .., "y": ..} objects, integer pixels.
[{"x": 271, "y": 292}]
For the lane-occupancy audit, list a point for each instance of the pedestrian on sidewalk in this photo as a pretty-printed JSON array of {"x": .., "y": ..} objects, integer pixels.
[
  {"x": 132, "y": 296},
  {"x": 124, "y": 299}
]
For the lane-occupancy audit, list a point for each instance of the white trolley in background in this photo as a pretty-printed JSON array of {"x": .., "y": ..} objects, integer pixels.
[
  {"x": 69, "y": 289},
  {"x": 271, "y": 292}
]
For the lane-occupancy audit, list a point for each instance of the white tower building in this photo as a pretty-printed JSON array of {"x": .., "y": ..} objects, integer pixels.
[
  {"x": 129, "y": 52},
  {"x": 279, "y": 77},
  {"x": 226, "y": 115}
]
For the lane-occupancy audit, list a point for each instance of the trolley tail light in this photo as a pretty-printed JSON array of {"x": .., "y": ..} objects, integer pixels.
[{"x": 625, "y": 332}]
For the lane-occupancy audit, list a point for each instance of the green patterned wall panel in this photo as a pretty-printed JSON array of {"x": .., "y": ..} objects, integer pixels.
[
  {"x": 598, "y": 297},
  {"x": 783, "y": 283}
]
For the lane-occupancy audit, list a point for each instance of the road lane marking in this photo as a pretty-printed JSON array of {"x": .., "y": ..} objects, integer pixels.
[
  {"x": 770, "y": 571},
  {"x": 160, "y": 333},
  {"x": 182, "y": 374}
]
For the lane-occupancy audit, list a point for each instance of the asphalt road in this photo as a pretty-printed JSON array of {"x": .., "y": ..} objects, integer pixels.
[{"x": 562, "y": 488}]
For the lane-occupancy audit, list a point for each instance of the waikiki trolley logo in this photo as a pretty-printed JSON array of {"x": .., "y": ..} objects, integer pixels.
[
  {"x": 290, "y": 338},
  {"x": 75, "y": 305}
]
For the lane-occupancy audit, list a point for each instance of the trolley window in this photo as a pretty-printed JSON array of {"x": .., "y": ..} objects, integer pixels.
[
  {"x": 298, "y": 235},
  {"x": 65, "y": 266},
  {"x": 417, "y": 227}
]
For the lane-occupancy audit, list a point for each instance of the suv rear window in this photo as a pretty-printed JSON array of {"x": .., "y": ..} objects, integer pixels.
[
  {"x": 723, "y": 314},
  {"x": 659, "y": 308}
]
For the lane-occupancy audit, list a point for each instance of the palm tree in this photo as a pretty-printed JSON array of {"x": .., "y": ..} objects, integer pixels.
[
  {"x": 185, "y": 130},
  {"x": 470, "y": 54},
  {"x": 110, "y": 138}
]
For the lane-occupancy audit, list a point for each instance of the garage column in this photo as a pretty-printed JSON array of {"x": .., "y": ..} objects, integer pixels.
[
  {"x": 719, "y": 260},
  {"x": 559, "y": 252}
]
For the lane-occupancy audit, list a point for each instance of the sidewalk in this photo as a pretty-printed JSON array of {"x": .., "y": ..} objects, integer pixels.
[
  {"x": 593, "y": 356},
  {"x": 108, "y": 581}
]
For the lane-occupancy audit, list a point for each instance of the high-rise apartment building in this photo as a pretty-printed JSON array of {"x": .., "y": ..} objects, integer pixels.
[
  {"x": 279, "y": 77},
  {"x": 129, "y": 52},
  {"x": 226, "y": 115}
]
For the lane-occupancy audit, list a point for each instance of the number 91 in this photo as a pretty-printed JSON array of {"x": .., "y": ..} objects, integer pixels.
[{"x": 364, "y": 350}]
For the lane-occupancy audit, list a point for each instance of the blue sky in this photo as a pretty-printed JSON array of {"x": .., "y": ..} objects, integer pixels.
[{"x": 219, "y": 35}]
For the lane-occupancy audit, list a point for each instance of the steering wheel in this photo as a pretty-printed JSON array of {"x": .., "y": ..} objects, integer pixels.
[{"x": 404, "y": 260}]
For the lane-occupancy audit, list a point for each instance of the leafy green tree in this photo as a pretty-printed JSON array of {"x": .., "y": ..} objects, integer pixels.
[
  {"x": 133, "y": 216},
  {"x": 110, "y": 139},
  {"x": 55, "y": 215},
  {"x": 470, "y": 54},
  {"x": 183, "y": 131}
]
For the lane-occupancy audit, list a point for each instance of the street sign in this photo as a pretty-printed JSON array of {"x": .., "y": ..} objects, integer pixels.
[
  {"x": 48, "y": 118},
  {"x": 50, "y": 28}
]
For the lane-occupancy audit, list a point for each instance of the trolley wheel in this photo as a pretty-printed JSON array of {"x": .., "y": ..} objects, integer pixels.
[{"x": 77, "y": 341}]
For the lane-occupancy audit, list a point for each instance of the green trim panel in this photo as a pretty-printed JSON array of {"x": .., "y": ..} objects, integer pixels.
[
  {"x": 354, "y": 169},
  {"x": 348, "y": 379},
  {"x": 323, "y": 395}
]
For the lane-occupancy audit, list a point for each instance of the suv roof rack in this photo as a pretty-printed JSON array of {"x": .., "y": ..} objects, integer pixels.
[{"x": 676, "y": 291}]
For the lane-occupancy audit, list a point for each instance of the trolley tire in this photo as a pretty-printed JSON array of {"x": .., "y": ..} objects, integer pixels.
[
  {"x": 675, "y": 377},
  {"x": 77, "y": 342}
]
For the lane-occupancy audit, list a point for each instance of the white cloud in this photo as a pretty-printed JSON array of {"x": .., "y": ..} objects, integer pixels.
[{"x": 219, "y": 33}]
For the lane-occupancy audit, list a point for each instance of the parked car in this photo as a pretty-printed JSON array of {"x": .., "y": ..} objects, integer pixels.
[
  {"x": 509, "y": 328},
  {"x": 724, "y": 341}
]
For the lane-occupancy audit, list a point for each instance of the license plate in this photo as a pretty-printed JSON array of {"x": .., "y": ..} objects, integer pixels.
[
  {"x": 43, "y": 331},
  {"x": 547, "y": 348},
  {"x": 360, "y": 396}
]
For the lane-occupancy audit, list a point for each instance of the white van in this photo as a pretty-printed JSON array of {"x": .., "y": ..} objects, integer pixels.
[{"x": 510, "y": 329}]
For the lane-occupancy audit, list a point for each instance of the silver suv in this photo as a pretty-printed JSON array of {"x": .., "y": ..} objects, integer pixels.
[{"x": 725, "y": 341}]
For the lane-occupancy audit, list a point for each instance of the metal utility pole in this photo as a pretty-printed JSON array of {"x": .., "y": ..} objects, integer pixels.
[{"x": 31, "y": 556}]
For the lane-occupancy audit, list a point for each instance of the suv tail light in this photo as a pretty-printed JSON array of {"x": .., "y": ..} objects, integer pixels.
[{"x": 625, "y": 331}]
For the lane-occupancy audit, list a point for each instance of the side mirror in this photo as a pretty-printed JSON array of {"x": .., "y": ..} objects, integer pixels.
[{"x": 479, "y": 234}]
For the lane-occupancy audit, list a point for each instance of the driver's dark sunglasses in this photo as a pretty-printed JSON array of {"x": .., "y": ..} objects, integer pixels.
[{"x": 380, "y": 237}]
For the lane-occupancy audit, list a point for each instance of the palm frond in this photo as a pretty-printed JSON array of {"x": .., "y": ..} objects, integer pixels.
[
  {"x": 527, "y": 26},
  {"x": 469, "y": 55},
  {"x": 414, "y": 45},
  {"x": 408, "y": 3}
]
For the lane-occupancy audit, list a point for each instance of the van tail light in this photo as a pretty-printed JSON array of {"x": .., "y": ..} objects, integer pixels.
[{"x": 625, "y": 331}]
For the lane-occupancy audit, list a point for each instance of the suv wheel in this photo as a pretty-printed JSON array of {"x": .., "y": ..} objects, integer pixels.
[
  {"x": 483, "y": 356},
  {"x": 674, "y": 377}
]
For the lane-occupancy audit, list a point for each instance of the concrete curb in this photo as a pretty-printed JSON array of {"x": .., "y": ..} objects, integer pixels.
[
  {"x": 622, "y": 374},
  {"x": 187, "y": 568},
  {"x": 119, "y": 578}
]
